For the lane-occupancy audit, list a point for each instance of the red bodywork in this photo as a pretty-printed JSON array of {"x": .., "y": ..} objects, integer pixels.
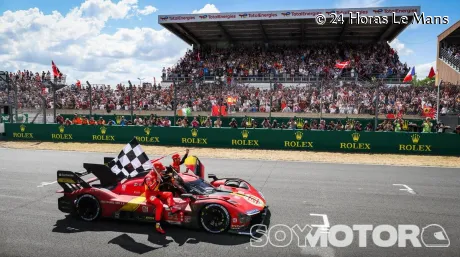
[{"x": 125, "y": 199}]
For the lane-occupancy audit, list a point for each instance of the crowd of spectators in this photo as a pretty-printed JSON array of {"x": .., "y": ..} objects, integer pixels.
[
  {"x": 30, "y": 86},
  {"x": 329, "y": 95},
  {"x": 454, "y": 51},
  {"x": 290, "y": 61},
  {"x": 350, "y": 98},
  {"x": 396, "y": 125},
  {"x": 451, "y": 54}
]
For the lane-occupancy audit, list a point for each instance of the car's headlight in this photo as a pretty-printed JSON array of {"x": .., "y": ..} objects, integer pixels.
[{"x": 252, "y": 212}]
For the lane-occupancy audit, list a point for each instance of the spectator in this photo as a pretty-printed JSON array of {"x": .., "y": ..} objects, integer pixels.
[
  {"x": 59, "y": 119},
  {"x": 306, "y": 126},
  {"x": 208, "y": 122},
  {"x": 233, "y": 123},
  {"x": 218, "y": 123},
  {"x": 166, "y": 122},
  {"x": 427, "y": 125},
  {"x": 68, "y": 122},
  {"x": 123, "y": 121},
  {"x": 266, "y": 123},
  {"x": 195, "y": 123}
]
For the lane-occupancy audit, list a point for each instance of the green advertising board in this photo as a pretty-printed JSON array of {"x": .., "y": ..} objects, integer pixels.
[{"x": 332, "y": 141}]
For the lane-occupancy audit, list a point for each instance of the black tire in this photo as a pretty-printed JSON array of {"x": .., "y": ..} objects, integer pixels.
[
  {"x": 88, "y": 208},
  {"x": 214, "y": 218}
]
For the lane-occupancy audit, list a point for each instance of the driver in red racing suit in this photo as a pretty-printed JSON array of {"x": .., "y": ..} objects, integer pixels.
[
  {"x": 156, "y": 197},
  {"x": 177, "y": 162}
]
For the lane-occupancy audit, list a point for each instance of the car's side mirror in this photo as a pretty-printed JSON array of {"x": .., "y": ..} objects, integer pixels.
[
  {"x": 188, "y": 196},
  {"x": 212, "y": 176}
]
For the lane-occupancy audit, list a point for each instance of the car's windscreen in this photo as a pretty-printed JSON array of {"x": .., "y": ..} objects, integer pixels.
[{"x": 199, "y": 186}]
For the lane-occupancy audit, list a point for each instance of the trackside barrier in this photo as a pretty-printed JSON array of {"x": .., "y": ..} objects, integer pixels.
[
  {"x": 227, "y": 119},
  {"x": 332, "y": 141}
]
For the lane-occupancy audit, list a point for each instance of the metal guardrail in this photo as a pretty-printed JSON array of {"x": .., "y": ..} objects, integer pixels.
[
  {"x": 295, "y": 79},
  {"x": 46, "y": 81},
  {"x": 449, "y": 59}
]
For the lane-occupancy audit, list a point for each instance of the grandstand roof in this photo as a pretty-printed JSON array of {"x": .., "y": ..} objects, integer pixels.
[
  {"x": 452, "y": 34},
  {"x": 290, "y": 25}
]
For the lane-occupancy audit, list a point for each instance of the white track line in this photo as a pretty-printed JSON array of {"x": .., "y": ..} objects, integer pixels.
[
  {"x": 406, "y": 188},
  {"x": 46, "y": 184}
]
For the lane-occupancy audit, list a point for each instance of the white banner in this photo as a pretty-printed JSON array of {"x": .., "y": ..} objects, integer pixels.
[{"x": 285, "y": 15}]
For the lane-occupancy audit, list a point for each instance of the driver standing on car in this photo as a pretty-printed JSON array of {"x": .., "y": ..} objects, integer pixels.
[
  {"x": 156, "y": 197},
  {"x": 177, "y": 162}
]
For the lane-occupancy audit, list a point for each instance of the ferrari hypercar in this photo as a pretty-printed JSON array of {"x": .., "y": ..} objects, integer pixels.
[{"x": 221, "y": 205}]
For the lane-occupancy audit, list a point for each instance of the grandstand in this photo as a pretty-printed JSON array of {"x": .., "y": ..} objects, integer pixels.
[
  {"x": 288, "y": 27},
  {"x": 448, "y": 57},
  {"x": 310, "y": 85}
]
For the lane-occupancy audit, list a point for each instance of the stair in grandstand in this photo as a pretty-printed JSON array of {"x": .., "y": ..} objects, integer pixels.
[
  {"x": 455, "y": 68},
  {"x": 449, "y": 60}
]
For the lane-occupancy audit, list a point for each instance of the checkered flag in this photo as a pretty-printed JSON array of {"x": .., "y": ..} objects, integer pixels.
[{"x": 131, "y": 161}]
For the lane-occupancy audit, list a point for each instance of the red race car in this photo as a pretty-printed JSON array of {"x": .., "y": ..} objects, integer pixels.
[{"x": 221, "y": 205}]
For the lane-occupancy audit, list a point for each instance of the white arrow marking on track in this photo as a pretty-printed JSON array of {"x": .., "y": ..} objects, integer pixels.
[
  {"x": 408, "y": 189},
  {"x": 324, "y": 227},
  {"x": 47, "y": 183}
]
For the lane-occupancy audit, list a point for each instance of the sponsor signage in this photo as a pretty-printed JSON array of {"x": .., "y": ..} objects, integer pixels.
[
  {"x": 298, "y": 142},
  {"x": 61, "y": 136},
  {"x": 270, "y": 139},
  {"x": 355, "y": 145},
  {"x": 147, "y": 138},
  {"x": 194, "y": 140},
  {"x": 103, "y": 136},
  {"x": 22, "y": 133},
  {"x": 414, "y": 145},
  {"x": 244, "y": 141},
  {"x": 288, "y": 14}
]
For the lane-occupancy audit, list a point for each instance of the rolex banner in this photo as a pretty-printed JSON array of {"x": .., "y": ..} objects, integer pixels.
[{"x": 287, "y": 139}]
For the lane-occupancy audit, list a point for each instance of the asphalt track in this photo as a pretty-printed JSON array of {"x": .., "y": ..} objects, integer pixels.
[{"x": 31, "y": 224}]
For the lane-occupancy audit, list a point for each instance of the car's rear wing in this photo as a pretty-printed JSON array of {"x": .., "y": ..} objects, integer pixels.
[
  {"x": 107, "y": 160},
  {"x": 70, "y": 181}
]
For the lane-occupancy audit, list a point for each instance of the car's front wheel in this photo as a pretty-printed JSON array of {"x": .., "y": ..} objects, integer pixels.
[
  {"x": 88, "y": 207},
  {"x": 215, "y": 218}
]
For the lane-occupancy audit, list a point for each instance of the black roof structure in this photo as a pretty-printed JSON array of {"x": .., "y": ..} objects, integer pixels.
[{"x": 299, "y": 26}]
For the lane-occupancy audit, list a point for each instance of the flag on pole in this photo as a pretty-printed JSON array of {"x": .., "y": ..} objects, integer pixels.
[
  {"x": 56, "y": 70},
  {"x": 410, "y": 75},
  {"x": 186, "y": 112},
  {"x": 429, "y": 111},
  {"x": 432, "y": 73},
  {"x": 342, "y": 65},
  {"x": 131, "y": 161}
]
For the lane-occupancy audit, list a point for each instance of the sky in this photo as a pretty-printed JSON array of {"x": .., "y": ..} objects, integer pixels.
[{"x": 113, "y": 41}]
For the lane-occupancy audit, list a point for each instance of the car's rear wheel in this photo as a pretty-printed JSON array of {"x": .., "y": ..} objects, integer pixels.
[
  {"x": 214, "y": 218},
  {"x": 88, "y": 207}
]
